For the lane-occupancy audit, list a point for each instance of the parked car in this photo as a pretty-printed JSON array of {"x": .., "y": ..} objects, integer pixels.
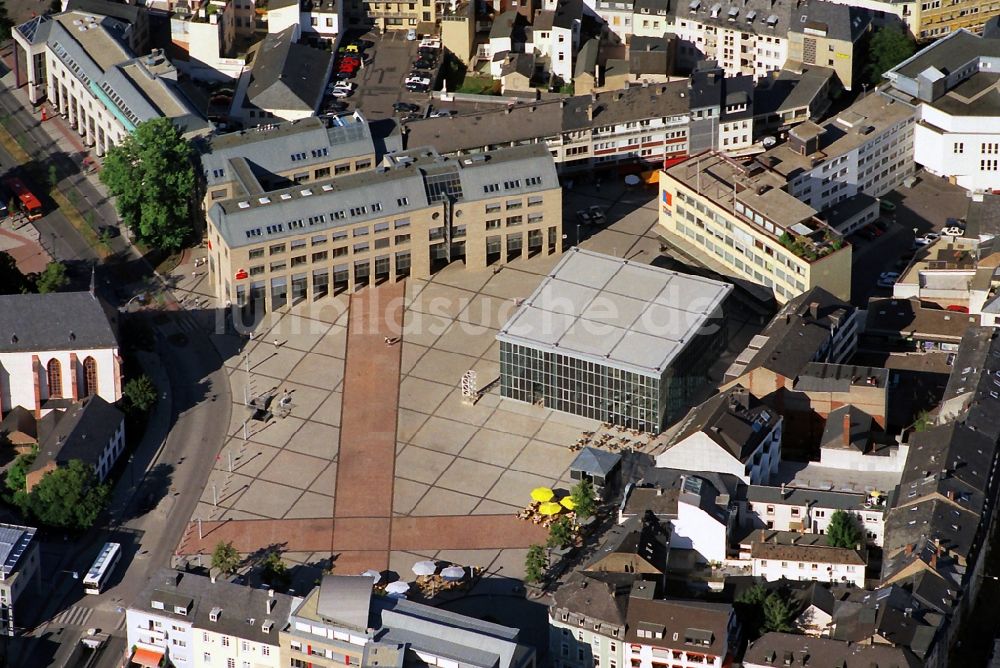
[
  {"x": 584, "y": 216},
  {"x": 409, "y": 118},
  {"x": 958, "y": 308},
  {"x": 423, "y": 64},
  {"x": 414, "y": 87},
  {"x": 920, "y": 242},
  {"x": 341, "y": 92},
  {"x": 443, "y": 113},
  {"x": 953, "y": 231},
  {"x": 597, "y": 213},
  {"x": 932, "y": 236},
  {"x": 405, "y": 107},
  {"x": 411, "y": 35},
  {"x": 882, "y": 283},
  {"x": 334, "y": 106},
  {"x": 886, "y": 206},
  {"x": 348, "y": 85},
  {"x": 889, "y": 276}
]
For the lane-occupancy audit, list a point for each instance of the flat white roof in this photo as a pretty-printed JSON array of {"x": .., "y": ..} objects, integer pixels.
[{"x": 614, "y": 312}]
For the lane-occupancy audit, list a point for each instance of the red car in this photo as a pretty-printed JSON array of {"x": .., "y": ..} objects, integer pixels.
[{"x": 956, "y": 308}]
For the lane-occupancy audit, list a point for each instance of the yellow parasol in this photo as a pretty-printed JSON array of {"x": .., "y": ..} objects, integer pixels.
[
  {"x": 542, "y": 494},
  {"x": 567, "y": 502},
  {"x": 550, "y": 508}
]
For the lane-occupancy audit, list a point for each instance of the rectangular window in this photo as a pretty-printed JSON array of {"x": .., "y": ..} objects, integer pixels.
[
  {"x": 276, "y": 249},
  {"x": 256, "y": 253}
]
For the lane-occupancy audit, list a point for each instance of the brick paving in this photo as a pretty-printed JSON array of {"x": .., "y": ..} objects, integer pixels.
[{"x": 362, "y": 530}]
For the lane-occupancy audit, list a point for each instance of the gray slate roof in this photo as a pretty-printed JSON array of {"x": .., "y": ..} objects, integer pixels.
[
  {"x": 54, "y": 321},
  {"x": 791, "y": 650},
  {"x": 81, "y": 432},
  {"x": 287, "y": 75},
  {"x": 595, "y": 462},
  {"x": 403, "y": 186},
  {"x": 238, "y": 603},
  {"x": 735, "y": 419}
]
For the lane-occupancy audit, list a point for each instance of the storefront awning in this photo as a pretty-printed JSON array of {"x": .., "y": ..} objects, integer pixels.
[{"x": 147, "y": 658}]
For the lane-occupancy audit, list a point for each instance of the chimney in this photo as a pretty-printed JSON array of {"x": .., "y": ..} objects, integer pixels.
[
  {"x": 784, "y": 493},
  {"x": 847, "y": 428},
  {"x": 814, "y": 310},
  {"x": 909, "y": 548},
  {"x": 590, "y": 111},
  {"x": 271, "y": 602},
  {"x": 659, "y": 491}
]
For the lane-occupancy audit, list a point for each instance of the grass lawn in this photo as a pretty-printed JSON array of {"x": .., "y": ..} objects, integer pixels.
[{"x": 478, "y": 85}]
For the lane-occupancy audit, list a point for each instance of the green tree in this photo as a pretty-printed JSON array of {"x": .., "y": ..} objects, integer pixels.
[
  {"x": 140, "y": 394},
  {"x": 5, "y": 22},
  {"x": 12, "y": 281},
  {"x": 535, "y": 563},
  {"x": 152, "y": 178},
  {"x": 889, "y": 47},
  {"x": 749, "y": 609},
  {"x": 52, "y": 279},
  {"x": 225, "y": 558},
  {"x": 922, "y": 422},
  {"x": 584, "y": 503},
  {"x": 69, "y": 497},
  {"x": 16, "y": 479},
  {"x": 843, "y": 530},
  {"x": 274, "y": 572},
  {"x": 53, "y": 176},
  {"x": 561, "y": 533},
  {"x": 777, "y": 613}
]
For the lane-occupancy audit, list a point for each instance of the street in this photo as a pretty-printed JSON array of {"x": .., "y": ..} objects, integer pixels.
[{"x": 161, "y": 486}]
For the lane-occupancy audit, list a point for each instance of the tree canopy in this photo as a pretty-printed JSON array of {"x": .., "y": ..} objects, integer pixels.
[
  {"x": 582, "y": 495},
  {"x": 561, "y": 533},
  {"x": 889, "y": 47},
  {"x": 535, "y": 564},
  {"x": 843, "y": 530},
  {"x": 225, "y": 557},
  {"x": 16, "y": 479},
  {"x": 6, "y": 23},
  {"x": 761, "y": 611},
  {"x": 140, "y": 394},
  {"x": 274, "y": 571},
  {"x": 152, "y": 178},
  {"x": 70, "y": 497},
  {"x": 52, "y": 279}
]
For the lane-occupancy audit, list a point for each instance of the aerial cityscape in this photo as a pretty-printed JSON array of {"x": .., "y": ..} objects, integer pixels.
[{"x": 499, "y": 333}]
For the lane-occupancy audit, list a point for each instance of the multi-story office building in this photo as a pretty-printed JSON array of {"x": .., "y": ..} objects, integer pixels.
[
  {"x": 740, "y": 216},
  {"x": 189, "y": 621},
  {"x": 249, "y": 162},
  {"x": 203, "y": 41},
  {"x": 953, "y": 86},
  {"x": 612, "y": 340},
  {"x": 90, "y": 76},
  {"x": 393, "y": 14},
  {"x": 867, "y": 148},
  {"x": 342, "y": 623},
  {"x": 19, "y": 570},
  {"x": 413, "y": 215},
  {"x": 755, "y": 37}
]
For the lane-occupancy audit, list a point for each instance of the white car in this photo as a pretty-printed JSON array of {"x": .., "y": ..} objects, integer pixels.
[
  {"x": 349, "y": 85},
  {"x": 932, "y": 236},
  {"x": 420, "y": 81},
  {"x": 341, "y": 92},
  {"x": 953, "y": 231}
]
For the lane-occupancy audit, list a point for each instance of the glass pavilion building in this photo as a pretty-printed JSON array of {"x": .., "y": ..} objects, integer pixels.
[{"x": 613, "y": 340}]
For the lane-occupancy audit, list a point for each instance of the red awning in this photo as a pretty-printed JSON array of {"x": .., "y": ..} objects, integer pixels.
[{"x": 147, "y": 658}]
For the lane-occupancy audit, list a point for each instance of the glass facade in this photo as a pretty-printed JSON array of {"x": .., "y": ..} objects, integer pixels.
[
  {"x": 582, "y": 387},
  {"x": 605, "y": 392}
]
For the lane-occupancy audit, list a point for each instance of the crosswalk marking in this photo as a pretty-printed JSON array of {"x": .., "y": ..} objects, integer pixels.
[{"x": 75, "y": 616}]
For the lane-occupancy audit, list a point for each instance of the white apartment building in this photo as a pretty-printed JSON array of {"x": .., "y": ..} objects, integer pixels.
[
  {"x": 56, "y": 346},
  {"x": 866, "y": 148},
  {"x": 953, "y": 84},
  {"x": 803, "y": 509},
  {"x": 732, "y": 432},
  {"x": 682, "y": 634},
  {"x": 803, "y": 556},
  {"x": 205, "y": 40},
  {"x": 189, "y": 621},
  {"x": 88, "y": 74},
  {"x": 19, "y": 570},
  {"x": 650, "y": 18},
  {"x": 755, "y": 37},
  {"x": 555, "y": 38},
  {"x": 617, "y": 15},
  {"x": 316, "y": 21}
]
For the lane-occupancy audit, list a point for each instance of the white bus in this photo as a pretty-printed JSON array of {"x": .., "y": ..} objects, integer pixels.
[{"x": 98, "y": 575}]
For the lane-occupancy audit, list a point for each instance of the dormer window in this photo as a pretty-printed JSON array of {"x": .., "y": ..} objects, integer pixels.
[
  {"x": 179, "y": 610},
  {"x": 156, "y": 605}
]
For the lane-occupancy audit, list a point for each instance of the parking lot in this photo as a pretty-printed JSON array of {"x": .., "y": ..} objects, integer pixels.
[{"x": 381, "y": 81}]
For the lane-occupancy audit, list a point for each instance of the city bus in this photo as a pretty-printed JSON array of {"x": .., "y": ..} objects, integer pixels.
[
  {"x": 29, "y": 203},
  {"x": 99, "y": 574}
]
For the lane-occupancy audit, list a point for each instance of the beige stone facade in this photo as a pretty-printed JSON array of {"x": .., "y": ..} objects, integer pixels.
[
  {"x": 741, "y": 217},
  {"x": 413, "y": 215}
]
